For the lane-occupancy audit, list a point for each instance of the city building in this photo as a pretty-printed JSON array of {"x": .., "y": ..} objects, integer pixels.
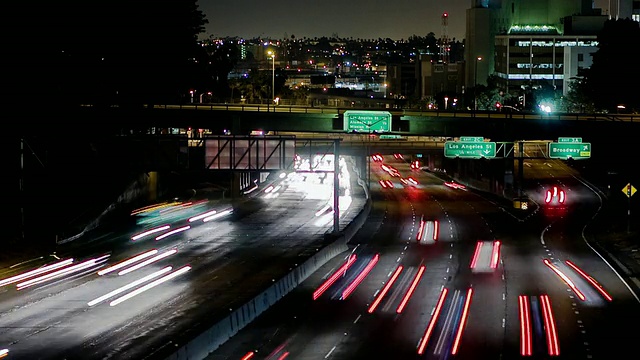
[{"x": 530, "y": 43}]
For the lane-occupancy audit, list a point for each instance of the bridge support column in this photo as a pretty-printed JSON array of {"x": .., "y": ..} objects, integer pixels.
[{"x": 336, "y": 186}]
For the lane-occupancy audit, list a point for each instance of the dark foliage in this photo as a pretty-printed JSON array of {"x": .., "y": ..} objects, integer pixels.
[
  {"x": 114, "y": 52},
  {"x": 614, "y": 75}
]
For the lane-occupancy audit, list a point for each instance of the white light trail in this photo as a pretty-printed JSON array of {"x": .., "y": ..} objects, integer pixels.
[
  {"x": 202, "y": 216},
  {"x": 218, "y": 215},
  {"x": 150, "y": 285},
  {"x": 129, "y": 286},
  {"x": 149, "y": 232},
  {"x": 148, "y": 261},
  {"x": 174, "y": 231},
  {"x": 127, "y": 262},
  {"x": 35, "y": 272},
  {"x": 62, "y": 272}
]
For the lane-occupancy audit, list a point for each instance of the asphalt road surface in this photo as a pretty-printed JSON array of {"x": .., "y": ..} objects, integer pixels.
[{"x": 498, "y": 283}]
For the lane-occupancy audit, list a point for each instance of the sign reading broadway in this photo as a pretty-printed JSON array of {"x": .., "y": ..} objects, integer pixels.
[
  {"x": 367, "y": 121},
  {"x": 470, "y": 150},
  {"x": 569, "y": 150}
]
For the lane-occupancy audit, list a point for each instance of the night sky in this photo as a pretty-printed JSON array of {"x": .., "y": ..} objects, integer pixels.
[
  {"x": 370, "y": 19},
  {"x": 367, "y": 19}
]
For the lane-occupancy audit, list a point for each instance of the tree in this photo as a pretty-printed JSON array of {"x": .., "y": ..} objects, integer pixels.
[
  {"x": 615, "y": 73},
  {"x": 123, "y": 52}
]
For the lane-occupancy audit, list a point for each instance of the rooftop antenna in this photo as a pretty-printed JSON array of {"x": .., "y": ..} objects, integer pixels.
[{"x": 444, "y": 39}]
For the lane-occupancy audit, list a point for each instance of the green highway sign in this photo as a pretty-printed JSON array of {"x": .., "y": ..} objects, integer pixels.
[
  {"x": 569, "y": 139},
  {"x": 569, "y": 150},
  {"x": 367, "y": 121},
  {"x": 472, "y": 138},
  {"x": 470, "y": 149}
]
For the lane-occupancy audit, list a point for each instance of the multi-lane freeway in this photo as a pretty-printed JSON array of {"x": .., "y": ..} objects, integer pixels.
[
  {"x": 138, "y": 293},
  {"x": 443, "y": 272}
]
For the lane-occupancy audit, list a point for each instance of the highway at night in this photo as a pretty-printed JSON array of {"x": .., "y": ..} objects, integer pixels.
[
  {"x": 442, "y": 272},
  {"x": 135, "y": 295}
]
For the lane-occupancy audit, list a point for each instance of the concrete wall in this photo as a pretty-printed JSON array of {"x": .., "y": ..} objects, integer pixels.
[{"x": 207, "y": 342}]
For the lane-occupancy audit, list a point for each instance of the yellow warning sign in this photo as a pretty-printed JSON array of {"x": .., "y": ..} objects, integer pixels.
[{"x": 629, "y": 190}]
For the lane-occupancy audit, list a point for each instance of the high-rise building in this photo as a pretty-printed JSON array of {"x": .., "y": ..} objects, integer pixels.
[{"x": 530, "y": 43}]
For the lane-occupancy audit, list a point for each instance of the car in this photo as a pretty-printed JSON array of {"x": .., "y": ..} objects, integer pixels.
[
  {"x": 387, "y": 184},
  {"x": 555, "y": 196},
  {"x": 428, "y": 231}
]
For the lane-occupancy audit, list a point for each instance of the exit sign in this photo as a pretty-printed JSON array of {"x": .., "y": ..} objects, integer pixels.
[
  {"x": 569, "y": 150},
  {"x": 569, "y": 139}
]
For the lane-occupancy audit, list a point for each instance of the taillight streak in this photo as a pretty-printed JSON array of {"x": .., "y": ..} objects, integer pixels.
[
  {"x": 385, "y": 289},
  {"x": 351, "y": 288},
  {"x": 432, "y": 322},
  {"x": 591, "y": 280},
  {"x": 248, "y": 355},
  {"x": 525, "y": 326},
  {"x": 412, "y": 288},
  {"x": 495, "y": 254},
  {"x": 420, "y": 231},
  {"x": 476, "y": 254},
  {"x": 565, "y": 278},
  {"x": 463, "y": 322},
  {"x": 436, "y": 226},
  {"x": 550, "y": 326},
  {"x": 336, "y": 275},
  {"x": 35, "y": 272}
]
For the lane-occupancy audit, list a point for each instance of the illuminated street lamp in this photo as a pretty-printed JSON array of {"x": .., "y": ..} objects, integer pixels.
[
  {"x": 475, "y": 83},
  {"x": 273, "y": 73}
]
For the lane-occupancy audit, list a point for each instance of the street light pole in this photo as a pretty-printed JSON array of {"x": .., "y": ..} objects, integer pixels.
[
  {"x": 475, "y": 83},
  {"x": 273, "y": 75}
]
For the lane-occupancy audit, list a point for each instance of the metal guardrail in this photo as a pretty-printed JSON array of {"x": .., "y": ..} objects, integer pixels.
[{"x": 302, "y": 109}]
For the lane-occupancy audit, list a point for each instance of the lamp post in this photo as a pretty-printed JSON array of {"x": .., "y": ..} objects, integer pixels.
[
  {"x": 475, "y": 83},
  {"x": 273, "y": 74}
]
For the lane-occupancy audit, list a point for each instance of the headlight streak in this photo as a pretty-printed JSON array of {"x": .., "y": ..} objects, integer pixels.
[
  {"x": 525, "y": 326},
  {"x": 565, "y": 278},
  {"x": 4, "y": 353},
  {"x": 591, "y": 280},
  {"x": 218, "y": 215},
  {"x": 385, "y": 289},
  {"x": 449, "y": 320},
  {"x": 550, "y": 326},
  {"x": 149, "y": 232},
  {"x": 202, "y": 216},
  {"x": 127, "y": 262},
  {"x": 432, "y": 323},
  {"x": 174, "y": 231},
  {"x": 35, "y": 272},
  {"x": 150, "y": 285},
  {"x": 463, "y": 322},
  {"x": 352, "y": 287},
  {"x": 129, "y": 286},
  {"x": 336, "y": 275},
  {"x": 148, "y": 261},
  {"x": 412, "y": 288},
  {"x": 62, "y": 272}
]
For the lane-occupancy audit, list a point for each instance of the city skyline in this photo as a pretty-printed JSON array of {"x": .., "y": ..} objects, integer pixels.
[{"x": 356, "y": 19}]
